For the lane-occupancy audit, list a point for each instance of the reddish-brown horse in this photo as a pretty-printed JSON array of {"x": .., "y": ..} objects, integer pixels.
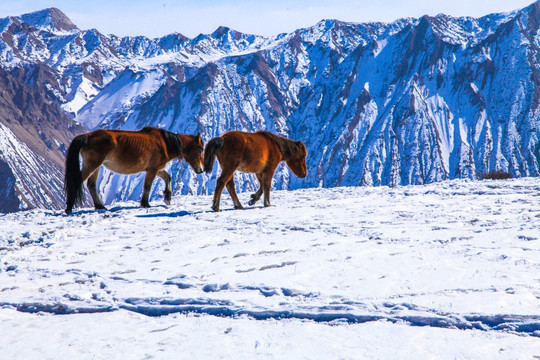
[
  {"x": 258, "y": 153},
  {"x": 127, "y": 152}
]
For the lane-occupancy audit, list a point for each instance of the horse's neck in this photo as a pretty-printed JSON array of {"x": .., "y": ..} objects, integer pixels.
[
  {"x": 286, "y": 148},
  {"x": 184, "y": 139}
]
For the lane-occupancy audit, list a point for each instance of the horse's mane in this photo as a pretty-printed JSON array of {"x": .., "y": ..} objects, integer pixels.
[
  {"x": 289, "y": 148},
  {"x": 172, "y": 141},
  {"x": 174, "y": 144}
]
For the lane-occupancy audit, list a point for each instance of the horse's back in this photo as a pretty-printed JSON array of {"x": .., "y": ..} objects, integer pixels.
[
  {"x": 251, "y": 151},
  {"x": 127, "y": 152},
  {"x": 127, "y": 139},
  {"x": 253, "y": 143}
]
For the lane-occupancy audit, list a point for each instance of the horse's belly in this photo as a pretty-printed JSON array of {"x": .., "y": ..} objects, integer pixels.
[
  {"x": 254, "y": 162},
  {"x": 125, "y": 168},
  {"x": 255, "y": 167}
]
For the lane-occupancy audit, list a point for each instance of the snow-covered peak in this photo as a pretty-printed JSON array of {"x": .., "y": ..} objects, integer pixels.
[
  {"x": 173, "y": 42},
  {"x": 225, "y": 41},
  {"x": 226, "y": 31},
  {"x": 50, "y": 19}
]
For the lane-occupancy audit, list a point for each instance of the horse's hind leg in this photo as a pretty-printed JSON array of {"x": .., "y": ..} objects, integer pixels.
[
  {"x": 168, "y": 189},
  {"x": 232, "y": 191},
  {"x": 90, "y": 171},
  {"x": 257, "y": 195},
  {"x": 148, "y": 180},
  {"x": 92, "y": 186}
]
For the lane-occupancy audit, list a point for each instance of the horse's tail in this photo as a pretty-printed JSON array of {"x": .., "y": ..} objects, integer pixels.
[
  {"x": 210, "y": 152},
  {"x": 73, "y": 182}
]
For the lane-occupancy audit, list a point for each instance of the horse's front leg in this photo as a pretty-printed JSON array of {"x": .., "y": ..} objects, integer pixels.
[
  {"x": 148, "y": 180},
  {"x": 168, "y": 189}
]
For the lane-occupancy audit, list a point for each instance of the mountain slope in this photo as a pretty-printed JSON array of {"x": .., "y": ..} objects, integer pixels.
[
  {"x": 34, "y": 133},
  {"x": 410, "y": 102}
]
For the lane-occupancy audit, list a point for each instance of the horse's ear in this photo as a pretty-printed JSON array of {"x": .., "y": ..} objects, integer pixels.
[
  {"x": 302, "y": 146},
  {"x": 198, "y": 137}
]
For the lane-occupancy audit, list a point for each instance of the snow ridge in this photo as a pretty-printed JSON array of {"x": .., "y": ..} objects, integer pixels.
[{"x": 518, "y": 324}]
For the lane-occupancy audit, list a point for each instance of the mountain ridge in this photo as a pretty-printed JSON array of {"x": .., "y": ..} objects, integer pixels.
[{"x": 409, "y": 102}]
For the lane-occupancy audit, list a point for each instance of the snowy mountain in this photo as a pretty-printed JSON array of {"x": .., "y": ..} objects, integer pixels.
[
  {"x": 439, "y": 271},
  {"x": 410, "y": 102}
]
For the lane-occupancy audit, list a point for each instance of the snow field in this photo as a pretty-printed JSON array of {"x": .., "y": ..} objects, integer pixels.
[{"x": 446, "y": 270}]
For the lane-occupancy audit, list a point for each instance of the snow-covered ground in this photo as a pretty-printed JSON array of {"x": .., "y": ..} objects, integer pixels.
[{"x": 449, "y": 270}]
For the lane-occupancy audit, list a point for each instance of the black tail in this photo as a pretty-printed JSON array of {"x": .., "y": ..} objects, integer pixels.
[
  {"x": 210, "y": 152},
  {"x": 73, "y": 183}
]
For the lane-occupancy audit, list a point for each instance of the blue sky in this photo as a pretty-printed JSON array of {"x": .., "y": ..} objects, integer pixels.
[{"x": 154, "y": 18}]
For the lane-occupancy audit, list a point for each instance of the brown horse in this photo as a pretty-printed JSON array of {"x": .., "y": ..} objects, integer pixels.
[
  {"x": 127, "y": 152},
  {"x": 258, "y": 153}
]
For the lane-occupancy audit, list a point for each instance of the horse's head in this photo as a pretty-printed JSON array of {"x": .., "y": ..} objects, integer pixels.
[
  {"x": 297, "y": 164},
  {"x": 193, "y": 152}
]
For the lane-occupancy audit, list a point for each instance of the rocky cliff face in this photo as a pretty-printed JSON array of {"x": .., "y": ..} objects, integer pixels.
[
  {"x": 34, "y": 133},
  {"x": 411, "y": 102}
]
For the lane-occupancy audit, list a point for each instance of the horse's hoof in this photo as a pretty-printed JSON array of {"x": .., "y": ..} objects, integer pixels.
[
  {"x": 100, "y": 207},
  {"x": 68, "y": 211},
  {"x": 251, "y": 202},
  {"x": 238, "y": 207},
  {"x": 215, "y": 208},
  {"x": 167, "y": 198}
]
